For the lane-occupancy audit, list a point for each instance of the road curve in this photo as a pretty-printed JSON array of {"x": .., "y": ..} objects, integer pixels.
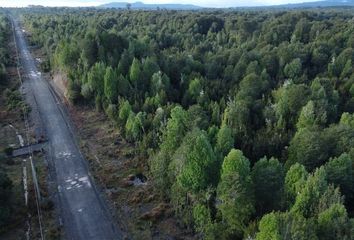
[{"x": 83, "y": 213}]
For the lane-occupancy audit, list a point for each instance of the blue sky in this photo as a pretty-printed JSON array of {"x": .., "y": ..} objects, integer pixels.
[{"x": 204, "y": 3}]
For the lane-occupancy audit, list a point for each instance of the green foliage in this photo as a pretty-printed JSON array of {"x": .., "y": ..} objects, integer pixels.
[
  {"x": 267, "y": 176},
  {"x": 340, "y": 172},
  {"x": 333, "y": 223},
  {"x": 111, "y": 85},
  {"x": 195, "y": 89},
  {"x": 202, "y": 217},
  {"x": 270, "y": 83},
  {"x": 198, "y": 171},
  {"x": 86, "y": 91},
  {"x": 347, "y": 119},
  {"x": 134, "y": 126},
  {"x": 307, "y": 118},
  {"x": 5, "y": 194},
  {"x": 124, "y": 111},
  {"x": 135, "y": 74},
  {"x": 279, "y": 226},
  {"x": 173, "y": 135},
  {"x": 308, "y": 199},
  {"x": 289, "y": 100},
  {"x": 224, "y": 140},
  {"x": 177, "y": 127},
  {"x": 309, "y": 148},
  {"x": 293, "y": 69},
  {"x": 235, "y": 192},
  {"x": 295, "y": 180},
  {"x": 96, "y": 77},
  {"x": 159, "y": 82}
]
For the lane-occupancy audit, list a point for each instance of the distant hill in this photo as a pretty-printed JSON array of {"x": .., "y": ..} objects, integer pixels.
[
  {"x": 325, "y": 3},
  {"x": 140, "y": 5}
]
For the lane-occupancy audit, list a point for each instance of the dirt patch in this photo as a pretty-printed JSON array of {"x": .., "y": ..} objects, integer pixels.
[{"x": 60, "y": 82}]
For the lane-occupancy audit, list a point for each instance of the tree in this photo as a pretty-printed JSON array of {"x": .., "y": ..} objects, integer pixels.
[
  {"x": 149, "y": 67},
  {"x": 326, "y": 100},
  {"x": 67, "y": 55},
  {"x": 237, "y": 116},
  {"x": 86, "y": 91},
  {"x": 252, "y": 86},
  {"x": 135, "y": 74},
  {"x": 288, "y": 103},
  {"x": 159, "y": 82},
  {"x": 279, "y": 226},
  {"x": 111, "y": 85},
  {"x": 123, "y": 86},
  {"x": 89, "y": 49},
  {"x": 307, "y": 118},
  {"x": 198, "y": 171},
  {"x": 308, "y": 200},
  {"x": 173, "y": 135},
  {"x": 309, "y": 148},
  {"x": 224, "y": 141},
  {"x": 347, "y": 119},
  {"x": 293, "y": 69},
  {"x": 194, "y": 90},
  {"x": 125, "y": 62},
  {"x": 235, "y": 192},
  {"x": 96, "y": 77},
  {"x": 202, "y": 217},
  {"x": 333, "y": 223},
  {"x": 340, "y": 172},
  {"x": 177, "y": 127},
  {"x": 124, "y": 111},
  {"x": 295, "y": 180},
  {"x": 267, "y": 176},
  {"x": 134, "y": 126}
]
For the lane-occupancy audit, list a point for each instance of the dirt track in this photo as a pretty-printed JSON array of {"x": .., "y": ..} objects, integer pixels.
[{"x": 83, "y": 212}]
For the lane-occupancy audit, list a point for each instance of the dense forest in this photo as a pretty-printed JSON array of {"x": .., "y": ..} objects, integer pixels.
[
  {"x": 5, "y": 182},
  {"x": 245, "y": 118}
]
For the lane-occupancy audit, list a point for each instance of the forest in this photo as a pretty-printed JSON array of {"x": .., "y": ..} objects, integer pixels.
[
  {"x": 5, "y": 182},
  {"x": 245, "y": 118}
]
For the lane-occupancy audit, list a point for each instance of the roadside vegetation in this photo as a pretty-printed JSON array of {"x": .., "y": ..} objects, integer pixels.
[
  {"x": 244, "y": 119},
  {"x": 18, "y": 220},
  {"x": 6, "y": 185}
]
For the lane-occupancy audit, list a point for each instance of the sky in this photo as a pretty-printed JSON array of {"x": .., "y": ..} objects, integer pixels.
[{"x": 203, "y": 3}]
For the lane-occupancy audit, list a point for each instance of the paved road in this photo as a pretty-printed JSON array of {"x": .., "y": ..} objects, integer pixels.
[{"x": 83, "y": 213}]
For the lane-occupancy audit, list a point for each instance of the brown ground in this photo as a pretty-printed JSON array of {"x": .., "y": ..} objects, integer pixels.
[{"x": 114, "y": 163}]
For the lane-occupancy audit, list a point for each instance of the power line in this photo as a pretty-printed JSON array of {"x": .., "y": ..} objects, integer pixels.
[{"x": 34, "y": 175}]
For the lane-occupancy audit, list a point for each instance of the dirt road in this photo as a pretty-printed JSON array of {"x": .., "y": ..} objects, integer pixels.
[{"x": 83, "y": 212}]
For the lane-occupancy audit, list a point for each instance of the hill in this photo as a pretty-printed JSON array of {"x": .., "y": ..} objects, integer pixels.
[
  {"x": 141, "y": 5},
  {"x": 326, "y": 3}
]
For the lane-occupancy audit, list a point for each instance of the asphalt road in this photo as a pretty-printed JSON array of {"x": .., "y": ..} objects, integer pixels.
[{"x": 83, "y": 213}]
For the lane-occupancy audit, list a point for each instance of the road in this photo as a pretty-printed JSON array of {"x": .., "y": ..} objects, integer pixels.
[{"x": 83, "y": 212}]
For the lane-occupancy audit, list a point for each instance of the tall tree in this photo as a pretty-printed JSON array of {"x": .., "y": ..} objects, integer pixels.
[
  {"x": 235, "y": 192},
  {"x": 111, "y": 85},
  {"x": 135, "y": 75}
]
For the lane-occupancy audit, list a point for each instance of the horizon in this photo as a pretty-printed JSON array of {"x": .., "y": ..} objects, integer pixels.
[{"x": 201, "y": 3}]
